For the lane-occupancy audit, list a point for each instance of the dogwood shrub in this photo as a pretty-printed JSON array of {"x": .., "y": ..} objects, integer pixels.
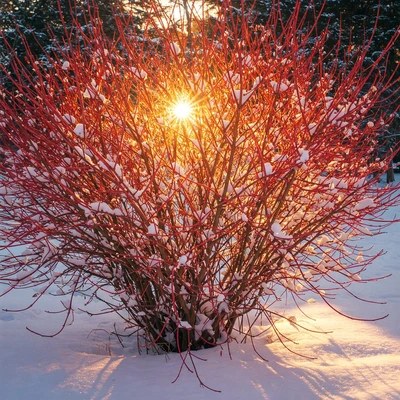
[{"x": 191, "y": 179}]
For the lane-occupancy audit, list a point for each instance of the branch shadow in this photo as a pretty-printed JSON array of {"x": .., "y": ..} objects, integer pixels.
[{"x": 336, "y": 374}]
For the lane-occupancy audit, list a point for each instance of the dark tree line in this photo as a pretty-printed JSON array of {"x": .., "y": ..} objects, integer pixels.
[
  {"x": 40, "y": 23},
  {"x": 354, "y": 21}
]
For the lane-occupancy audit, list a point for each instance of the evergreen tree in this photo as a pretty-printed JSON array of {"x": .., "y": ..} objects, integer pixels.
[
  {"x": 40, "y": 24},
  {"x": 355, "y": 23}
]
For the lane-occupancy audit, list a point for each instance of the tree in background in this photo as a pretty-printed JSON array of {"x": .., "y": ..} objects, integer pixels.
[
  {"x": 192, "y": 181},
  {"x": 352, "y": 23},
  {"x": 42, "y": 24}
]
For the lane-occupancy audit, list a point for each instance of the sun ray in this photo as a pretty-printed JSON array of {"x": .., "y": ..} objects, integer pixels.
[{"x": 182, "y": 110}]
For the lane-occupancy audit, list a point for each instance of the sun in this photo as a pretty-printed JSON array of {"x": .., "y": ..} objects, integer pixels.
[{"x": 182, "y": 110}]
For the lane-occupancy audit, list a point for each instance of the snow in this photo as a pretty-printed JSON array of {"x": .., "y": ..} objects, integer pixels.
[
  {"x": 185, "y": 324},
  {"x": 277, "y": 231},
  {"x": 141, "y": 74},
  {"x": 352, "y": 360},
  {"x": 279, "y": 87},
  {"x": 242, "y": 96},
  {"x": 268, "y": 169},
  {"x": 304, "y": 155},
  {"x": 152, "y": 229},
  {"x": 183, "y": 259},
  {"x": 178, "y": 169},
  {"x": 175, "y": 49},
  {"x": 69, "y": 119},
  {"x": 231, "y": 77},
  {"x": 79, "y": 130},
  {"x": 364, "y": 204},
  {"x": 226, "y": 123}
]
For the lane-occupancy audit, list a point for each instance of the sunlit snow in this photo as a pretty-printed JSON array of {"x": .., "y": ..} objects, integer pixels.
[{"x": 351, "y": 360}]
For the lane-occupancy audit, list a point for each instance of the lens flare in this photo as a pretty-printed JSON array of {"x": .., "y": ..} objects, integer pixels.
[{"x": 182, "y": 110}]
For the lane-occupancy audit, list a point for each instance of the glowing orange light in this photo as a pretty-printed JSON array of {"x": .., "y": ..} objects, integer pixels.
[{"x": 182, "y": 110}]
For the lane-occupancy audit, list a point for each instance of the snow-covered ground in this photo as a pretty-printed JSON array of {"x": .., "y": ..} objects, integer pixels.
[{"x": 357, "y": 360}]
